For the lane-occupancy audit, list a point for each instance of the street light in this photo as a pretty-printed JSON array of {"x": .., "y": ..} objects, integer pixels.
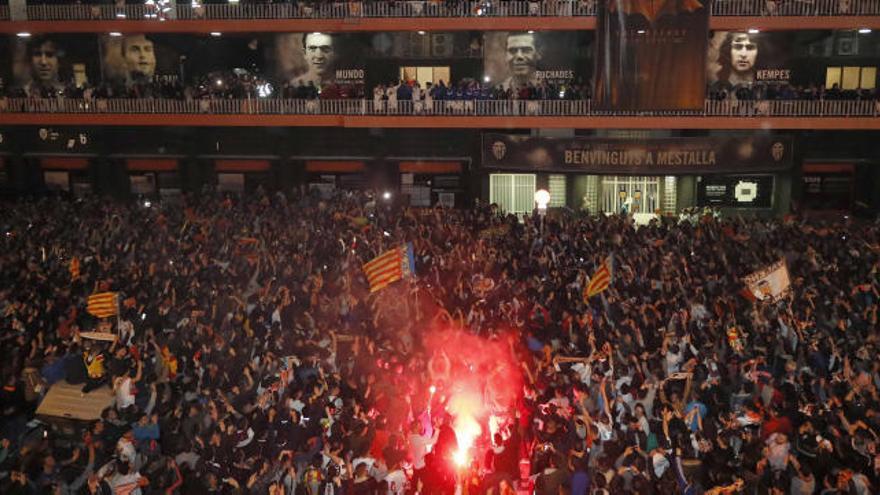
[{"x": 542, "y": 198}]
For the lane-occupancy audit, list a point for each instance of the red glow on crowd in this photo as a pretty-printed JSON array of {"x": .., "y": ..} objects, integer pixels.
[{"x": 478, "y": 383}]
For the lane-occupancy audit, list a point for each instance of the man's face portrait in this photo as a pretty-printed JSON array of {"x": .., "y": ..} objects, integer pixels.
[
  {"x": 743, "y": 53},
  {"x": 777, "y": 151},
  {"x": 320, "y": 54},
  {"x": 140, "y": 58},
  {"x": 44, "y": 62},
  {"x": 522, "y": 55},
  {"x": 499, "y": 149}
]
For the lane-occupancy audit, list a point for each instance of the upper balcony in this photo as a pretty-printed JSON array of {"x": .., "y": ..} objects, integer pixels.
[
  {"x": 433, "y": 15},
  {"x": 857, "y": 114}
]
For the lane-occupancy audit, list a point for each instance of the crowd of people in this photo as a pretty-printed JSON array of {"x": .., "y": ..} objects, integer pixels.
[
  {"x": 427, "y": 7},
  {"x": 789, "y": 92},
  {"x": 251, "y": 356},
  {"x": 245, "y": 86}
]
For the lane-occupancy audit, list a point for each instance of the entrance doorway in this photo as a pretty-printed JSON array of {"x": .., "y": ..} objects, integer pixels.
[
  {"x": 513, "y": 193},
  {"x": 636, "y": 194}
]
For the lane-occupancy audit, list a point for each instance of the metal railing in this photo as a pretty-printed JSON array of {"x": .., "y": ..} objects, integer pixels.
[
  {"x": 463, "y": 108},
  {"x": 428, "y": 8}
]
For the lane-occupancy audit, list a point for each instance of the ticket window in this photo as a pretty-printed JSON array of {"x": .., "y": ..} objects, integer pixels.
[
  {"x": 143, "y": 184},
  {"x": 324, "y": 177},
  {"x": 169, "y": 184},
  {"x": 426, "y": 183},
  {"x": 245, "y": 175},
  {"x": 57, "y": 180},
  {"x": 75, "y": 182},
  {"x": 230, "y": 182},
  {"x": 323, "y": 185},
  {"x": 66, "y": 174}
]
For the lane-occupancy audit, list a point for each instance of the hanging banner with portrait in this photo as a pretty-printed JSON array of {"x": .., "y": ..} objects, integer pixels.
[
  {"x": 135, "y": 62},
  {"x": 739, "y": 58},
  {"x": 665, "y": 156},
  {"x": 47, "y": 65},
  {"x": 556, "y": 58},
  {"x": 139, "y": 59},
  {"x": 328, "y": 61},
  {"x": 650, "y": 54}
]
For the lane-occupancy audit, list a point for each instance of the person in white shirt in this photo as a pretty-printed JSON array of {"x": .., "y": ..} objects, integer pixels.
[
  {"x": 378, "y": 102},
  {"x": 122, "y": 386},
  {"x": 429, "y": 99},
  {"x": 417, "y": 97},
  {"x": 419, "y": 446},
  {"x": 126, "y": 481},
  {"x": 396, "y": 480},
  {"x": 391, "y": 93}
]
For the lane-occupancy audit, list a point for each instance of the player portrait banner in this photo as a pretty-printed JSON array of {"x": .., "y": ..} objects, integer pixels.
[
  {"x": 665, "y": 156},
  {"x": 327, "y": 61},
  {"x": 742, "y": 59},
  {"x": 651, "y": 54},
  {"x": 133, "y": 59},
  {"x": 46, "y": 65},
  {"x": 769, "y": 284},
  {"x": 513, "y": 59}
]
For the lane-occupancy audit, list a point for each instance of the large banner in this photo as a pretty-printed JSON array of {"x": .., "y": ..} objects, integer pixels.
[
  {"x": 47, "y": 64},
  {"x": 138, "y": 59},
  {"x": 651, "y": 54},
  {"x": 740, "y": 58},
  {"x": 769, "y": 284},
  {"x": 517, "y": 59},
  {"x": 128, "y": 62},
  {"x": 667, "y": 156},
  {"x": 322, "y": 60}
]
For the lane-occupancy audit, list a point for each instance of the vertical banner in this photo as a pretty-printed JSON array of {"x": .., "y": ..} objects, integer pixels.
[{"x": 651, "y": 54}]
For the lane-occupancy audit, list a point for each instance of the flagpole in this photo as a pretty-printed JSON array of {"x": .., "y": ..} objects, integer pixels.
[{"x": 118, "y": 321}]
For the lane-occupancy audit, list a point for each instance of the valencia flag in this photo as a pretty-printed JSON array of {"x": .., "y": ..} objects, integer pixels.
[
  {"x": 601, "y": 279},
  {"x": 390, "y": 266}
]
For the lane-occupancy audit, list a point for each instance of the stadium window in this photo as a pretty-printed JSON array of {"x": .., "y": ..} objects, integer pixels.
[
  {"x": 851, "y": 77},
  {"x": 56, "y": 180},
  {"x": 513, "y": 193},
  {"x": 869, "y": 78},
  {"x": 424, "y": 75},
  {"x": 557, "y": 190}
]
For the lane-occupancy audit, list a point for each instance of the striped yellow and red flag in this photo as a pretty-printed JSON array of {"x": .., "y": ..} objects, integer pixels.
[
  {"x": 601, "y": 279},
  {"x": 103, "y": 304},
  {"x": 390, "y": 266}
]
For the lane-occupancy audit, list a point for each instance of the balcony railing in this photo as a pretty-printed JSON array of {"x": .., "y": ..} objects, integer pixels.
[
  {"x": 463, "y": 108},
  {"x": 427, "y": 8}
]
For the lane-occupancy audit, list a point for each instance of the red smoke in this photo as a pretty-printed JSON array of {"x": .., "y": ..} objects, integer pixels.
[{"x": 480, "y": 381}]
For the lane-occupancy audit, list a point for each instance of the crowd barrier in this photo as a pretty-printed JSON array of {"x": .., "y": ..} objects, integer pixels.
[
  {"x": 480, "y": 108},
  {"x": 424, "y": 8}
]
